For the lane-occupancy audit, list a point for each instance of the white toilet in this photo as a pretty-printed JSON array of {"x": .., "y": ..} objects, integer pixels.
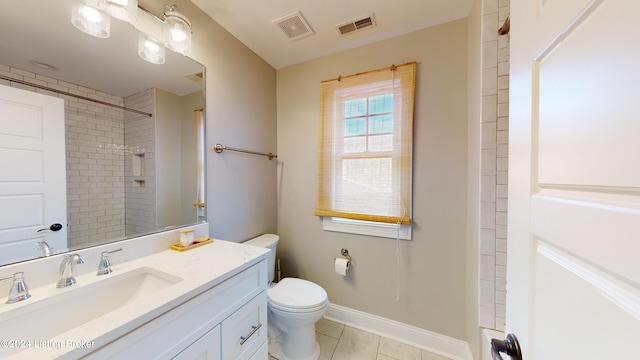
[{"x": 295, "y": 305}]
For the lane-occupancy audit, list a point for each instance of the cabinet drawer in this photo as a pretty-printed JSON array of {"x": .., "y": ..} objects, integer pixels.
[
  {"x": 262, "y": 353},
  {"x": 245, "y": 331},
  {"x": 205, "y": 348}
]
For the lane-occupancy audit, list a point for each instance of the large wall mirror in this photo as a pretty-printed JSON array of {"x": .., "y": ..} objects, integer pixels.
[{"x": 128, "y": 173}]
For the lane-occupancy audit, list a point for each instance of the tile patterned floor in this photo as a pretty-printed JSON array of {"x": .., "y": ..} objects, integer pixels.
[{"x": 340, "y": 342}]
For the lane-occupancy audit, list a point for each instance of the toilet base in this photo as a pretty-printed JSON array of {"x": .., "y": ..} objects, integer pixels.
[
  {"x": 294, "y": 344},
  {"x": 275, "y": 350}
]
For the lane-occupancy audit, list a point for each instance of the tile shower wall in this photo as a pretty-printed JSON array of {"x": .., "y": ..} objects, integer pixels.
[
  {"x": 95, "y": 187},
  {"x": 94, "y": 154},
  {"x": 494, "y": 166},
  {"x": 140, "y": 168}
]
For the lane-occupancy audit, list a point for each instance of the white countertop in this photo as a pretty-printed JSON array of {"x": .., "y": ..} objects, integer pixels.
[{"x": 200, "y": 269}]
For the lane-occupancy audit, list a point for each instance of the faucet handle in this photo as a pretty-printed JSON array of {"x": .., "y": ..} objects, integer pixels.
[
  {"x": 19, "y": 290},
  {"x": 68, "y": 262},
  {"x": 104, "y": 267},
  {"x": 66, "y": 270},
  {"x": 43, "y": 247}
]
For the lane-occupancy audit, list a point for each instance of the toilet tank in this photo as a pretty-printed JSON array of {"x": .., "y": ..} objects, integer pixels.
[{"x": 269, "y": 241}]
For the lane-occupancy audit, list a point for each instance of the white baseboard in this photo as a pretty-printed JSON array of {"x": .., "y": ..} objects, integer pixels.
[{"x": 410, "y": 335}]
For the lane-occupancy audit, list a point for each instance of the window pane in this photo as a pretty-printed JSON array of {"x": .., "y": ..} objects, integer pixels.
[
  {"x": 356, "y": 126},
  {"x": 357, "y": 107},
  {"x": 380, "y": 124},
  {"x": 355, "y": 144},
  {"x": 381, "y": 104},
  {"x": 366, "y": 186},
  {"x": 381, "y": 142}
]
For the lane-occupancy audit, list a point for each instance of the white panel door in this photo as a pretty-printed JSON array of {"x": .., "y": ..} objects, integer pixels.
[
  {"x": 32, "y": 173},
  {"x": 573, "y": 282}
]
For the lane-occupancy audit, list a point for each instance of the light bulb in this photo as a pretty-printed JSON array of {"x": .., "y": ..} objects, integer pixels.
[
  {"x": 90, "y": 19},
  {"x": 178, "y": 35},
  {"x": 91, "y": 14},
  {"x": 151, "y": 46},
  {"x": 150, "y": 49},
  {"x": 177, "y": 31},
  {"x": 125, "y": 10}
]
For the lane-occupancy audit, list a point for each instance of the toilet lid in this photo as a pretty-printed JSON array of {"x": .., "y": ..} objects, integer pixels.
[{"x": 297, "y": 294}]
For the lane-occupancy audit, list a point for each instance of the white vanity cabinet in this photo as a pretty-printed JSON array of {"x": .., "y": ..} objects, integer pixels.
[
  {"x": 205, "y": 348},
  {"x": 227, "y": 321}
]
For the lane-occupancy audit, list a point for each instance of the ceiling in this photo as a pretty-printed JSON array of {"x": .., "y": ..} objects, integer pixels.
[
  {"x": 252, "y": 23},
  {"x": 41, "y": 31}
]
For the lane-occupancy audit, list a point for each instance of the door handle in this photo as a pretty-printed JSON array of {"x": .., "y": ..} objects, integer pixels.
[
  {"x": 509, "y": 346},
  {"x": 53, "y": 227}
]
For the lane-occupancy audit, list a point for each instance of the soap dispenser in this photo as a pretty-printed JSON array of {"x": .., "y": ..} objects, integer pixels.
[{"x": 19, "y": 290}]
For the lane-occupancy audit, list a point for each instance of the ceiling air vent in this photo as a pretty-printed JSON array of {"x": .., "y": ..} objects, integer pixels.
[
  {"x": 356, "y": 25},
  {"x": 294, "y": 26},
  {"x": 195, "y": 77}
]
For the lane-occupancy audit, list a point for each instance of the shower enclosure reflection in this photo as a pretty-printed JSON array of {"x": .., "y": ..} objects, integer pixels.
[
  {"x": 127, "y": 174},
  {"x": 137, "y": 174}
]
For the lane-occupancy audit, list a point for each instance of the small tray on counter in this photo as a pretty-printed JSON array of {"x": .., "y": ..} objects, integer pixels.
[{"x": 196, "y": 243}]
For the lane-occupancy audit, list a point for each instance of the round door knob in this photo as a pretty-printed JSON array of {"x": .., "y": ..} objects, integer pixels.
[{"x": 509, "y": 346}]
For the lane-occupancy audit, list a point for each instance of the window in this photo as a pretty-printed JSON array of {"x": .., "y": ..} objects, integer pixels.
[{"x": 364, "y": 152}]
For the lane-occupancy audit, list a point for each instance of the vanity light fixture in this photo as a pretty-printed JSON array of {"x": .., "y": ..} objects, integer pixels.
[
  {"x": 177, "y": 30},
  {"x": 125, "y": 10},
  {"x": 150, "y": 49},
  {"x": 90, "y": 19},
  {"x": 94, "y": 18}
]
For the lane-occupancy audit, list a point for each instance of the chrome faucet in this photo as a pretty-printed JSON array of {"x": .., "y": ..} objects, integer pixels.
[
  {"x": 104, "y": 267},
  {"x": 66, "y": 270},
  {"x": 19, "y": 290},
  {"x": 44, "y": 247}
]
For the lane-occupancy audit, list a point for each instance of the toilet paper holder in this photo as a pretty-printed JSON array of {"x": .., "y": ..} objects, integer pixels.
[{"x": 344, "y": 252}]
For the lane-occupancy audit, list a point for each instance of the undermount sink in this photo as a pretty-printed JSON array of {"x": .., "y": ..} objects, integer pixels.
[{"x": 44, "y": 319}]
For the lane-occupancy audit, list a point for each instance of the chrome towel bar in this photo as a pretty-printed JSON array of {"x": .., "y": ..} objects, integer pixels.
[{"x": 219, "y": 148}]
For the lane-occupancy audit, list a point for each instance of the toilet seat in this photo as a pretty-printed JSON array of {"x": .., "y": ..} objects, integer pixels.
[
  {"x": 297, "y": 295},
  {"x": 284, "y": 309}
]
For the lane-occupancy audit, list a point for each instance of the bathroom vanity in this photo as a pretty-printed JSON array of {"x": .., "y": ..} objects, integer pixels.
[{"x": 209, "y": 302}]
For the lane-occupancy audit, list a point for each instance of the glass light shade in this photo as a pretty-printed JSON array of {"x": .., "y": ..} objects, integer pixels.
[
  {"x": 125, "y": 10},
  {"x": 177, "y": 31},
  {"x": 150, "y": 49},
  {"x": 90, "y": 19}
]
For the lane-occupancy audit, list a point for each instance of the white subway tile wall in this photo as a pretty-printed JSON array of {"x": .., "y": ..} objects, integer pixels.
[
  {"x": 494, "y": 166},
  {"x": 140, "y": 209},
  {"x": 94, "y": 134}
]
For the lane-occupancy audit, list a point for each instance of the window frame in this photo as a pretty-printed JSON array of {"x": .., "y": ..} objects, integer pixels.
[
  {"x": 370, "y": 228},
  {"x": 340, "y": 96}
]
